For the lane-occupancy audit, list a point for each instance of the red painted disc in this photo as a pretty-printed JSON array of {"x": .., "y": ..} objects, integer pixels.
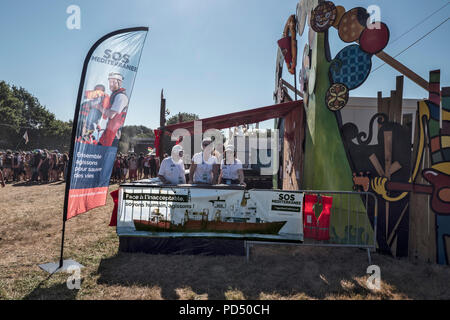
[{"x": 376, "y": 39}]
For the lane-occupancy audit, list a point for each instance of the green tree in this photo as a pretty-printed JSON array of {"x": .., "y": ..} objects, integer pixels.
[
  {"x": 183, "y": 116},
  {"x": 131, "y": 132},
  {"x": 20, "y": 111}
]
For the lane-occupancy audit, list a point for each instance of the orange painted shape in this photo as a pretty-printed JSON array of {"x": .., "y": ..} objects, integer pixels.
[{"x": 435, "y": 144}]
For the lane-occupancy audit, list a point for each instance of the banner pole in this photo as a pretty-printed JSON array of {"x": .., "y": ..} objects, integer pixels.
[
  {"x": 69, "y": 165},
  {"x": 72, "y": 147}
]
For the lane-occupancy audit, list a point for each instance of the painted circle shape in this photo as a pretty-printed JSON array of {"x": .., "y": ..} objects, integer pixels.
[
  {"x": 340, "y": 11},
  {"x": 351, "y": 67},
  {"x": 323, "y": 16},
  {"x": 337, "y": 96},
  {"x": 350, "y": 26},
  {"x": 374, "y": 40}
]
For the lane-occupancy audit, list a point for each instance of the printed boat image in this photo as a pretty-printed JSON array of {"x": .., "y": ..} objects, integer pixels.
[{"x": 210, "y": 226}]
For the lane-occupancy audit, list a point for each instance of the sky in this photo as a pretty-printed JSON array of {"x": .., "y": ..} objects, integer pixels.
[{"x": 211, "y": 57}]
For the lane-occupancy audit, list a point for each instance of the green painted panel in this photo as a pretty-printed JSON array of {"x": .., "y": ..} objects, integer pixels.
[{"x": 326, "y": 165}]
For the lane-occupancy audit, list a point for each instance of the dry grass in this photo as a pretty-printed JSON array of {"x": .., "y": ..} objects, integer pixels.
[{"x": 30, "y": 234}]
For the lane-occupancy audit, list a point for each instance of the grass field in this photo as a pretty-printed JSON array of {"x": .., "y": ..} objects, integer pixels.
[{"x": 30, "y": 234}]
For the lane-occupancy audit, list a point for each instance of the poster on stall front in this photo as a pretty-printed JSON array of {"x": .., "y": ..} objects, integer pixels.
[{"x": 160, "y": 211}]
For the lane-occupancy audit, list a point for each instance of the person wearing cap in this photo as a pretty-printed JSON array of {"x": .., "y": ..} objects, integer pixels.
[
  {"x": 117, "y": 110},
  {"x": 171, "y": 170},
  {"x": 205, "y": 167},
  {"x": 231, "y": 171}
]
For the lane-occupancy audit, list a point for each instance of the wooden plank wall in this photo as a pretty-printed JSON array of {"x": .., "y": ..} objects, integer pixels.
[
  {"x": 293, "y": 153},
  {"x": 392, "y": 106}
]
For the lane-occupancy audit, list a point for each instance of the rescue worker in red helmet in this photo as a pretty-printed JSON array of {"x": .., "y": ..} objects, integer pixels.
[{"x": 117, "y": 111}]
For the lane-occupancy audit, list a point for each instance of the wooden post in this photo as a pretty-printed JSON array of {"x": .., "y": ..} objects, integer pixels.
[
  {"x": 422, "y": 233},
  {"x": 162, "y": 124},
  {"x": 398, "y": 99}
]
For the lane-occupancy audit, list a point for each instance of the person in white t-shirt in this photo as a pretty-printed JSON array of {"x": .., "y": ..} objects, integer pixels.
[
  {"x": 171, "y": 170},
  {"x": 231, "y": 171},
  {"x": 205, "y": 167}
]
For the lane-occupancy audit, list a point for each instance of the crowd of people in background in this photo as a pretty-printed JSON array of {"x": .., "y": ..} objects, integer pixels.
[
  {"x": 44, "y": 166},
  {"x": 33, "y": 166},
  {"x": 134, "y": 167}
]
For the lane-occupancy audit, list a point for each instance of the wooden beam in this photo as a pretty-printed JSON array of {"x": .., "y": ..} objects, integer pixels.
[
  {"x": 287, "y": 84},
  {"x": 403, "y": 69}
]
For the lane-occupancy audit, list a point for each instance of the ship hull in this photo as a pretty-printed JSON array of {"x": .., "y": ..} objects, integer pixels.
[{"x": 211, "y": 226}]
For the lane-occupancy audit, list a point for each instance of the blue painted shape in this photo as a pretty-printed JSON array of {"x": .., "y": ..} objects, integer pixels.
[{"x": 351, "y": 66}]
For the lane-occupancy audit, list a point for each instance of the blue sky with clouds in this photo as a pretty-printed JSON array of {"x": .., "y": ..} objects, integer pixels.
[{"x": 210, "y": 56}]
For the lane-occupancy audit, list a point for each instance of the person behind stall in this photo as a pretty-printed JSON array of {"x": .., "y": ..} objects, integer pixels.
[
  {"x": 124, "y": 168},
  {"x": 152, "y": 165},
  {"x": 171, "y": 170},
  {"x": 140, "y": 165},
  {"x": 204, "y": 168},
  {"x": 231, "y": 171},
  {"x": 146, "y": 166},
  {"x": 133, "y": 164}
]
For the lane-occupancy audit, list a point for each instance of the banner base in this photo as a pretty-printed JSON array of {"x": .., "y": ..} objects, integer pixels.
[{"x": 53, "y": 267}]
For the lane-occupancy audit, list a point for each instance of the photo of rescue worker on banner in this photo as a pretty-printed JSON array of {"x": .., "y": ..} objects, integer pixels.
[{"x": 102, "y": 115}]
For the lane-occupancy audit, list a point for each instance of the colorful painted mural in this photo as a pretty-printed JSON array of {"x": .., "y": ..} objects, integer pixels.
[
  {"x": 325, "y": 164},
  {"x": 337, "y": 156}
]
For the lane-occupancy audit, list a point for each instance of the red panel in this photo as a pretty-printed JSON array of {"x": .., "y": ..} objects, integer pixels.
[
  {"x": 82, "y": 200},
  {"x": 240, "y": 118}
]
